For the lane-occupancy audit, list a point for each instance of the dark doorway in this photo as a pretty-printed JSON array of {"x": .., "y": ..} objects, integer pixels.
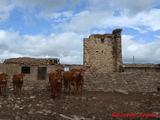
[{"x": 42, "y": 73}]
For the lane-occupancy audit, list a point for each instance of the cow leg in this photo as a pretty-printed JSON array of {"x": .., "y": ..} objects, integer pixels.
[
  {"x": 70, "y": 88},
  {"x": 80, "y": 89},
  {"x": 56, "y": 92},
  {"x": 77, "y": 88},
  {"x": 59, "y": 90},
  {"x": 14, "y": 88},
  {"x": 51, "y": 89},
  {"x": 20, "y": 89},
  {"x": 66, "y": 86},
  {"x": 0, "y": 90},
  {"x": 5, "y": 88},
  {"x": 74, "y": 87},
  {"x": 52, "y": 92}
]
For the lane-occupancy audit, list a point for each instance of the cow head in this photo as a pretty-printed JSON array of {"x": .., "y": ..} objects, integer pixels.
[
  {"x": 60, "y": 72},
  {"x": 82, "y": 72},
  {"x": 78, "y": 72},
  {"x": 4, "y": 76}
]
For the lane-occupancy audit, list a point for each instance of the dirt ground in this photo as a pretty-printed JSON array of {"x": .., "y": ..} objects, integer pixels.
[{"x": 36, "y": 104}]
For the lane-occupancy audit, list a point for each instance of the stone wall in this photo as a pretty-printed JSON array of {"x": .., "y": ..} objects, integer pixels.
[
  {"x": 136, "y": 81},
  {"x": 97, "y": 53},
  {"x": 141, "y": 68},
  {"x": 12, "y": 69},
  {"x": 32, "y": 61},
  {"x": 102, "y": 52},
  {"x": 128, "y": 81}
]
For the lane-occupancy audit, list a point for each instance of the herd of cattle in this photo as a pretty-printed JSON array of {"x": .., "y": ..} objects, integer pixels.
[
  {"x": 68, "y": 81},
  {"x": 71, "y": 81}
]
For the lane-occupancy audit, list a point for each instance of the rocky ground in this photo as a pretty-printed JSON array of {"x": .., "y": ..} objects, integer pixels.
[{"x": 36, "y": 104}]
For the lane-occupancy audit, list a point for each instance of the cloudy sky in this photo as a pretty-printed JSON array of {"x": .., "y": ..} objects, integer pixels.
[{"x": 56, "y": 28}]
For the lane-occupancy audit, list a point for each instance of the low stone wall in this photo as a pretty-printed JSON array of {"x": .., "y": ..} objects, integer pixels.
[
  {"x": 10, "y": 69},
  {"x": 128, "y": 81}
]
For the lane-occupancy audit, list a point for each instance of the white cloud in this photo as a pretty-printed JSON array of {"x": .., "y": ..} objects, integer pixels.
[
  {"x": 5, "y": 9},
  {"x": 38, "y": 6},
  {"x": 149, "y": 20},
  {"x": 46, "y": 5},
  {"x": 83, "y": 22},
  {"x": 66, "y": 46},
  {"x": 87, "y": 20},
  {"x": 142, "y": 52},
  {"x": 128, "y": 6},
  {"x": 58, "y": 16}
]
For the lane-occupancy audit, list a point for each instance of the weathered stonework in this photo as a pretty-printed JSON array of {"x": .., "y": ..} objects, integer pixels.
[
  {"x": 32, "y": 61},
  {"x": 105, "y": 70},
  {"x": 127, "y": 81},
  {"x": 102, "y": 53}
]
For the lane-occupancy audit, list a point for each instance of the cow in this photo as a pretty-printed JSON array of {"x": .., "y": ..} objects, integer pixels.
[
  {"x": 55, "y": 80},
  {"x": 73, "y": 80},
  {"x": 67, "y": 78},
  {"x": 3, "y": 83},
  {"x": 78, "y": 79},
  {"x": 18, "y": 83}
]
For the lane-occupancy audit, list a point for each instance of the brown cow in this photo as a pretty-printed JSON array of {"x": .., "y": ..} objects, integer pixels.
[
  {"x": 67, "y": 78},
  {"x": 17, "y": 83},
  {"x": 78, "y": 79},
  {"x": 73, "y": 80},
  {"x": 55, "y": 80},
  {"x": 3, "y": 83}
]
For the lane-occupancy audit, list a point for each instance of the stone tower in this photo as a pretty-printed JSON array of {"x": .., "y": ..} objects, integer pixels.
[{"x": 102, "y": 52}]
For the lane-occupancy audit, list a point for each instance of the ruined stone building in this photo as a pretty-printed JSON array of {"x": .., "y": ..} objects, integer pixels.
[
  {"x": 33, "y": 68},
  {"x": 106, "y": 71},
  {"x": 102, "y": 53}
]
